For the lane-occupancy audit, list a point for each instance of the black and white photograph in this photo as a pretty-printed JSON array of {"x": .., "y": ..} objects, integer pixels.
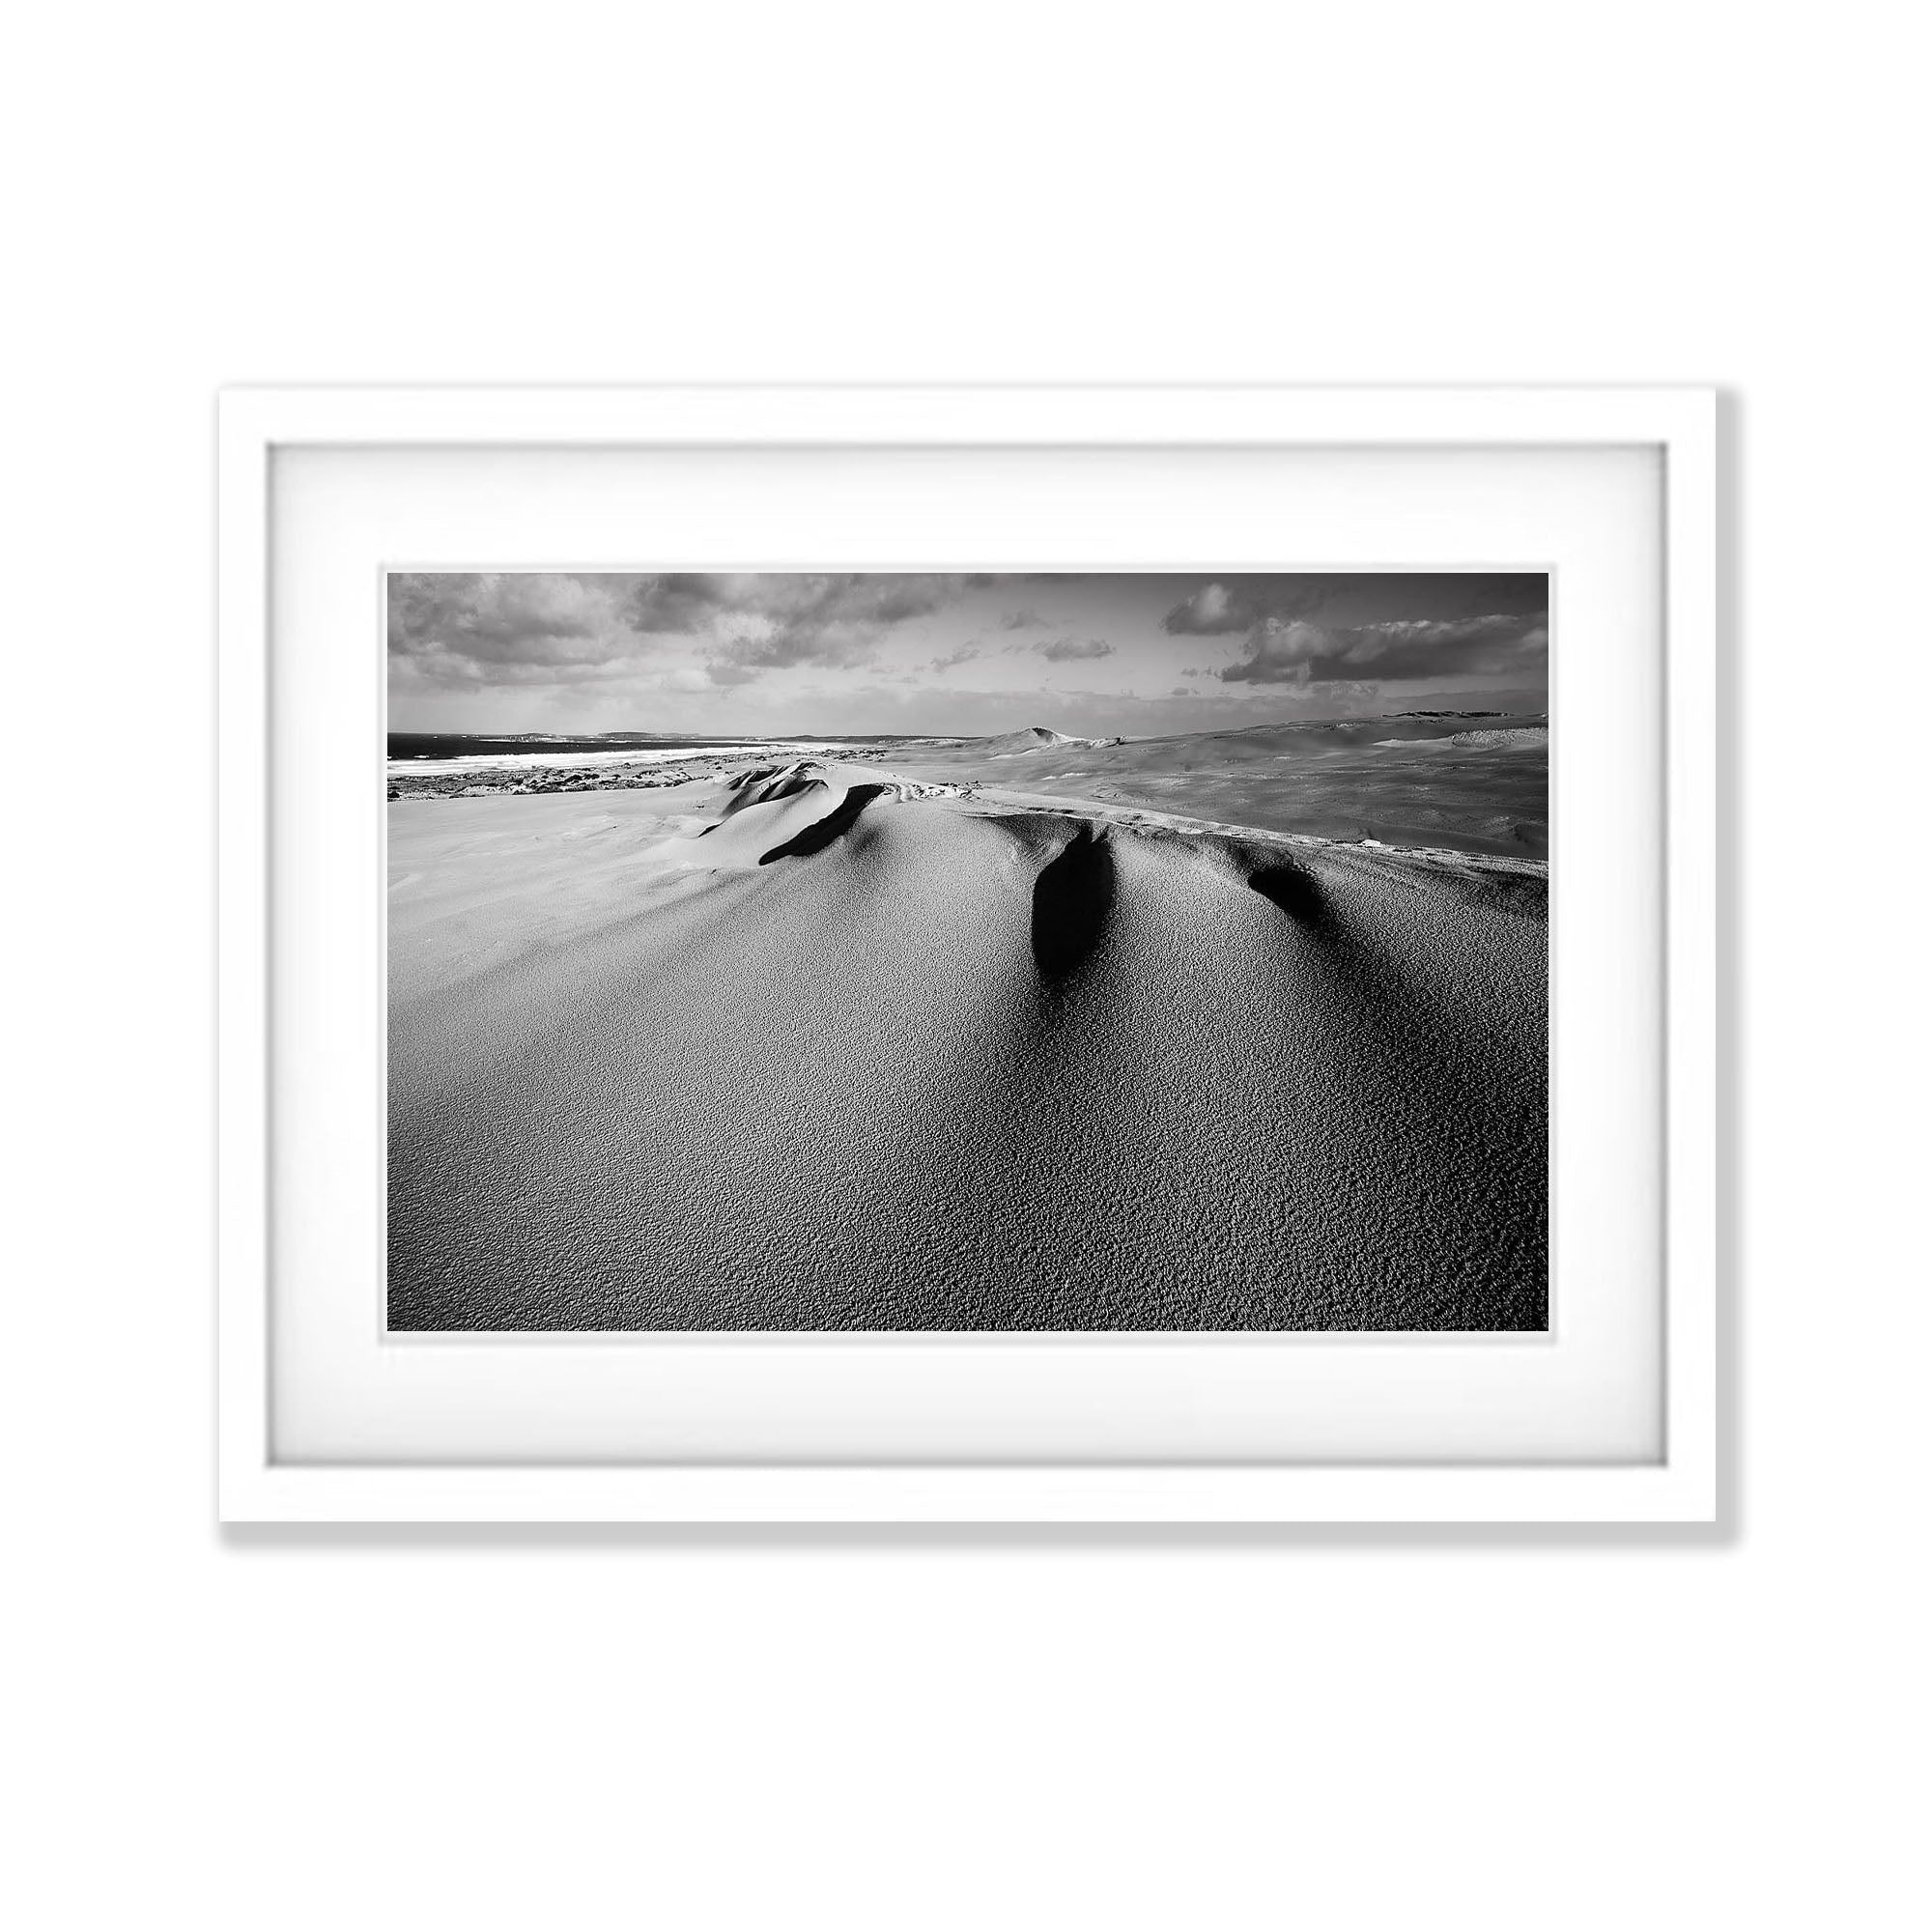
[{"x": 1075, "y": 951}]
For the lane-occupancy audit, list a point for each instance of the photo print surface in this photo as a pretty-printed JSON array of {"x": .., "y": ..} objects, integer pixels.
[{"x": 975, "y": 951}]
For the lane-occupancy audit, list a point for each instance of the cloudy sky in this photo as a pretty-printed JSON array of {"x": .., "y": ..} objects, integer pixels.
[{"x": 1096, "y": 655}]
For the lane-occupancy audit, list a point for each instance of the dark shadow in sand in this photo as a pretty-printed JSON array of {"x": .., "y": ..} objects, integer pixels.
[
  {"x": 821, "y": 832},
  {"x": 1299, "y": 894},
  {"x": 1071, "y": 898}
]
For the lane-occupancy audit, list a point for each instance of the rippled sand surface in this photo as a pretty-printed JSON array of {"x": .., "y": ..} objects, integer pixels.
[{"x": 820, "y": 1048}]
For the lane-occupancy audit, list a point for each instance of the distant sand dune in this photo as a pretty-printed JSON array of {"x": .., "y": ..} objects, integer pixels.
[
  {"x": 1439, "y": 779},
  {"x": 817, "y": 1047}
]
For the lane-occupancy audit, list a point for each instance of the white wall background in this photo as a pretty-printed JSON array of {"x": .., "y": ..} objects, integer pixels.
[{"x": 693, "y": 1731}]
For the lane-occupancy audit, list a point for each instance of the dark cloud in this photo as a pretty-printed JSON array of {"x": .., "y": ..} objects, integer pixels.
[
  {"x": 965, "y": 654},
  {"x": 1297, "y": 652},
  {"x": 1227, "y": 605},
  {"x": 1357, "y": 632},
  {"x": 688, "y": 602},
  {"x": 1238, "y": 603},
  {"x": 773, "y": 621},
  {"x": 511, "y": 622},
  {"x": 1022, "y": 620},
  {"x": 513, "y": 627},
  {"x": 1065, "y": 650},
  {"x": 472, "y": 633}
]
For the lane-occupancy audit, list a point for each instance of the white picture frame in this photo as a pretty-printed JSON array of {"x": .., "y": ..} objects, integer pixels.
[{"x": 1678, "y": 1483}]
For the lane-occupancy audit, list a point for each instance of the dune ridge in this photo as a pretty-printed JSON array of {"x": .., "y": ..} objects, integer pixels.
[
  {"x": 1465, "y": 781},
  {"x": 826, "y": 1046}
]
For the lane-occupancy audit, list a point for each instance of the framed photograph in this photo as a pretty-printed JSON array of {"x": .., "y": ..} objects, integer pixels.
[{"x": 966, "y": 954}]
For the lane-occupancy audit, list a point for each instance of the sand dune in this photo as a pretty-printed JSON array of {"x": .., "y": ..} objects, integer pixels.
[
  {"x": 813, "y": 1045},
  {"x": 1460, "y": 779},
  {"x": 1027, "y": 744}
]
